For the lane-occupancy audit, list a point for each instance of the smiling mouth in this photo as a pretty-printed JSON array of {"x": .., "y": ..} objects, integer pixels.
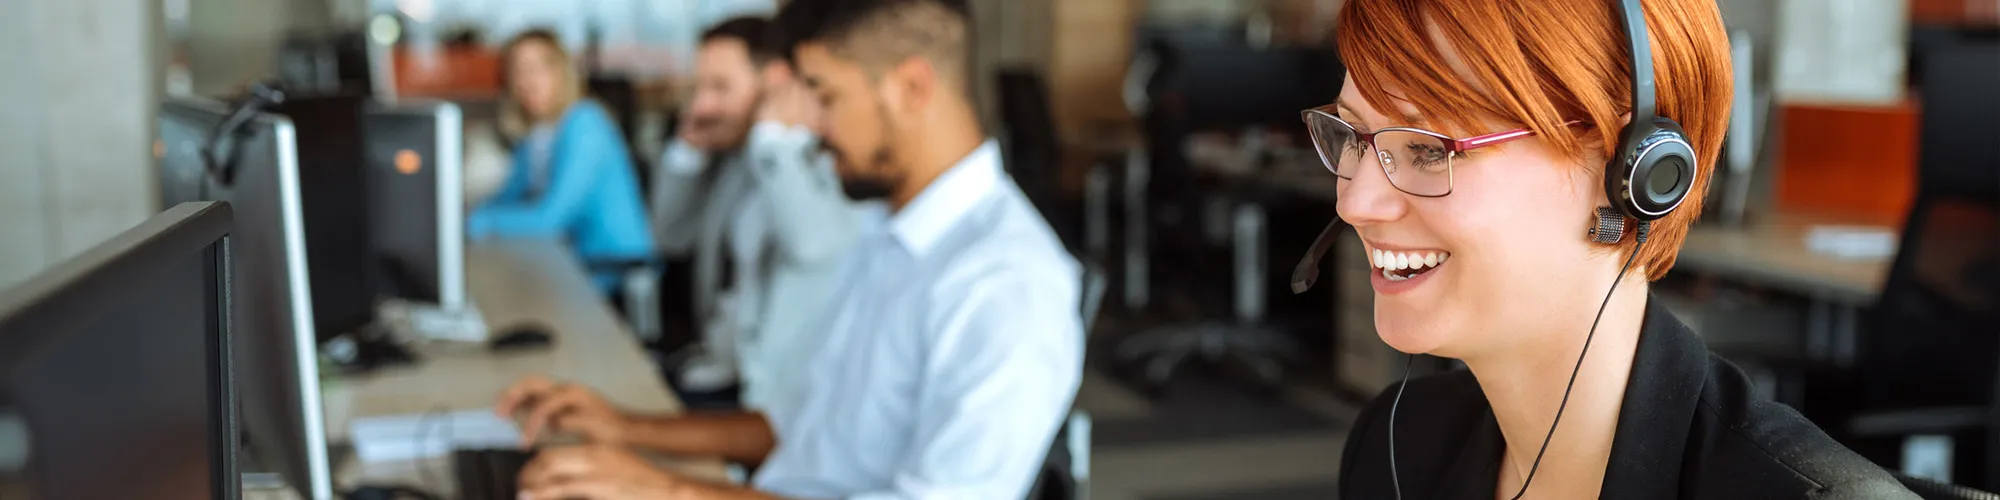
[{"x": 1399, "y": 266}]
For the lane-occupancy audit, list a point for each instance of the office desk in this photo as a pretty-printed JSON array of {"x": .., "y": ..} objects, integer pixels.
[
  {"x": 1771, "y": 252},
  {"x": 512, "y": 283}
]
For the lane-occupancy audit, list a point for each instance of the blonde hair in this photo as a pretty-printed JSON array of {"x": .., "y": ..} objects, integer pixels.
[{"x": 514, "y": 119}]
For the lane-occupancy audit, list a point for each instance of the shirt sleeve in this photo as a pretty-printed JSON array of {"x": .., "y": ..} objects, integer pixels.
[
  {"x": 1001, "y": 374},
  {"x": 810, "y": 218},
  {"x": 583, "y": 153},
  {"x": 678, "y": 196}
]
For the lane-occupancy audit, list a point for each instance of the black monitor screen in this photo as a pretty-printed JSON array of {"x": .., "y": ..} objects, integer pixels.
[
  {"x": 334, "y": 191},
  {"x": 402, "y": 179},
  {"x": 115, "y": 363},
  {"x": 273, "y": 313}
]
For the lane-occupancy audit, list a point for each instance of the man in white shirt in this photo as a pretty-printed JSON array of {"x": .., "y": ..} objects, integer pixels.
[
  {"x": 955, "y": 348},
  {"x": 743, "y": 189}
]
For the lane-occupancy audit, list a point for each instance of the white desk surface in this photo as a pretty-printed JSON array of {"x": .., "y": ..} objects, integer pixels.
[
  {"x": 1771, "y": 251},
  {"x": 511, "y": 282}
]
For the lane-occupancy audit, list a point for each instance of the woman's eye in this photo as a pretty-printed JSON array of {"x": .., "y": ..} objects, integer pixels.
[{"x": 1429, "y": 157}]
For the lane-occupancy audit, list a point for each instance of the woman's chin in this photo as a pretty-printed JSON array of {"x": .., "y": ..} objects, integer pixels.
[{"x": 1410, "y": 335}]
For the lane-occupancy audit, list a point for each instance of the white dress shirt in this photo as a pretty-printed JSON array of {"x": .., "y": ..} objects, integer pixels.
[{"x": 951, "y": 357}]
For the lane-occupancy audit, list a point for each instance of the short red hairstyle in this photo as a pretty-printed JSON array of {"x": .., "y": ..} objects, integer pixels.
[{"x": 1541, "y": 63}]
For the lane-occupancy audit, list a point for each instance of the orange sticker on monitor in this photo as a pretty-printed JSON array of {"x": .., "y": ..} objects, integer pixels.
[
  {"x": 159, "y": 149},
  {"x": 408, "y": 162}
]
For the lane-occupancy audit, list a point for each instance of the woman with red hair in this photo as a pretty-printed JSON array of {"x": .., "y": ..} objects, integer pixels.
[{"x": 1518, "y": 171}]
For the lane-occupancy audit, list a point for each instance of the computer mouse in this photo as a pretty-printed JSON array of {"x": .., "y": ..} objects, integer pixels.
[{"x": 521, "y": 337}]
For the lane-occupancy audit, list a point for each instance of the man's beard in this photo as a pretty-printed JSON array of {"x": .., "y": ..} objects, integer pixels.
[
  {"x": 877, "y": 176},
  {"x": 872, "y": 180}
]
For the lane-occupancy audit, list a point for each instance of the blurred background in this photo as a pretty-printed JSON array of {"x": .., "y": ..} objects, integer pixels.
[{"x": 1846, "y": 258}]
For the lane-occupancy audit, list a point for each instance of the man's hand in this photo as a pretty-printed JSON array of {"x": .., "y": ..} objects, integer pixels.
[
  {"x": 597, "y": 472},
  {"x": 790, "y": 103},
  {"x": 559, "y": 407}
]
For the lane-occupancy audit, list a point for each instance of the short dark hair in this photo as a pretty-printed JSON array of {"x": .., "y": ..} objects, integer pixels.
[
  {"x": 756, "y": 33},
  {"x": 938, "y": 29}
]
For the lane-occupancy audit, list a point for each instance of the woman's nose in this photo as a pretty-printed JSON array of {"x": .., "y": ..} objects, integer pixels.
[{"x": 1369, "y": 198}]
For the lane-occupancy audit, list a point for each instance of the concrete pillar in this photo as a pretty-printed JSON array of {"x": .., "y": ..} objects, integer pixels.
[{"x": 82, "y": 80}]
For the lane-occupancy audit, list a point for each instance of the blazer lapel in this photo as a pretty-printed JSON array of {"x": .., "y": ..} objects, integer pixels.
[{"x": 1668, "y": 373}]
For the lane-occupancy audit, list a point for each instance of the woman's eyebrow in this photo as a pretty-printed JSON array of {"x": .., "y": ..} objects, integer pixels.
[
  {"x": 1347, "y": 113},
  {"x": 1413, "y": 116}
]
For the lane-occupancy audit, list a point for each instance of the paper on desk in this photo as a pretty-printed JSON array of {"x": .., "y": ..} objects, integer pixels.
[
  {"x": 427, "y": 435},
  {"x": 1852, "y": 242}
]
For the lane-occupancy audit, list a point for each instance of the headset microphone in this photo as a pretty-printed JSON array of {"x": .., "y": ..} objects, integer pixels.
[
  {"x": 1610, "y": 226},
  {"x": 1307, "y": 272},
  {"x": 219, "y": 154}
]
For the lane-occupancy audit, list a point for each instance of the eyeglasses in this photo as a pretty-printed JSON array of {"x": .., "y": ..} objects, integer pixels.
[{"x": 1417, "y": 161}]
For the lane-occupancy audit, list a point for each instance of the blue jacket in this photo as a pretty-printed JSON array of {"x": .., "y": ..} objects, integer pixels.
[{"x": 592, "y": 198}]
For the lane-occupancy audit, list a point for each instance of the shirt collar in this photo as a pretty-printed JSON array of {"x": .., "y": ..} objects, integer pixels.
[{"x": 919, "y": 225}]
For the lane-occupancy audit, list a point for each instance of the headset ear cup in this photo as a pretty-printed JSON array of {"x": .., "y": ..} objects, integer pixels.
[{"x": 1659, "y": 173}]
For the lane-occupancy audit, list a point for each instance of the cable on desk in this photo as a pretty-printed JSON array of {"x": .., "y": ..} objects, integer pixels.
[{"x": 423, "y": 432}]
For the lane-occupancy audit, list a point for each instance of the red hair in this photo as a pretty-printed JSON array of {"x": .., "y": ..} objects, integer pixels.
[{"x": 1541, "y": 63}]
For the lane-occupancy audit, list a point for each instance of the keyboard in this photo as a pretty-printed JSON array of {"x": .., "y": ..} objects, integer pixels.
[{"x": 492, "y": 474}]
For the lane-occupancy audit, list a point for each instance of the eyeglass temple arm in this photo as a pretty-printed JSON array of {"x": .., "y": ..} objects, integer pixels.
[{"x": 1306, "y": 274}]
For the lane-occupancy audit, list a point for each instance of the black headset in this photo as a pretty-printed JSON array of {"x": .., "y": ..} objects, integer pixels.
[
  {"x": 1648, "y": 176},
  {"x": 219, "y": 154},
  {"x": 1653, "y": 169}
]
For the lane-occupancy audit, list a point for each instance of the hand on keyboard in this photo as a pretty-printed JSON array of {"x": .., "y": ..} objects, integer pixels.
[
  {"x": 596, "y": 472},
  {"x": 560, "y": 407}
]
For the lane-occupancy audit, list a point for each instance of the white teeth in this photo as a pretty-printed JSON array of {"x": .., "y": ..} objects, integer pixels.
[{"x": 1399, "y": 261}]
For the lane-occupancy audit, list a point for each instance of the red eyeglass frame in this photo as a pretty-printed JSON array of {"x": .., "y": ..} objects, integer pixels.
[{"x": 1452, "y": 146}]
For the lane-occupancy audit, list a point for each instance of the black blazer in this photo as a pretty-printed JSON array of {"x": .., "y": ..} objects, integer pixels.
[{"x": 1689, "y": 428}]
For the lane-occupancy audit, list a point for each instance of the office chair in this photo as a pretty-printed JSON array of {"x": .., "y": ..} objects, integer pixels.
[
  {"x": 1065, "y": 474},
  {"x": 1031, "y": 148},
  {"x": 1930, "y": 371},
  {"x": 1209, "y": 87},
  {"x": 1933, "y": 490}
]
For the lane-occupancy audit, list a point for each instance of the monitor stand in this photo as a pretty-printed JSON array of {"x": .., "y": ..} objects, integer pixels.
[{"x": 419, "y": 321}]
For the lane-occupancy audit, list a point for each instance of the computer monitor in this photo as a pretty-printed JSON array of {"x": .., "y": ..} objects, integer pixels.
[
  {"x": 1227, "y": 87},
  {"x": 115, "y": 368},
  {"x": 417, "y": 198},
  {"x": 273, "y": 311},
  {"x": 327, "y": 62},
  {"x": 333, "y": 188}
]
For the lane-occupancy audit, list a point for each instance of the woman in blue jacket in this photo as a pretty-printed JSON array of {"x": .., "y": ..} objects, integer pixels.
[{"x": 572, "y": 175}]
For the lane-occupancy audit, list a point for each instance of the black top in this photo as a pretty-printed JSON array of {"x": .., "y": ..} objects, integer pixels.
[{"x": 1689, "y": 428}]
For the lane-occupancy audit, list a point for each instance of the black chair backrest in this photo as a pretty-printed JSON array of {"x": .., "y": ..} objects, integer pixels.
[
  {"x": 1938, "y": 308},
  {"x": 1933, "y": 490},
  {"x": 1054, "y": 481},
  {"x": 621, "y": 97},
  {"x": 1032, "y": 147}
]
